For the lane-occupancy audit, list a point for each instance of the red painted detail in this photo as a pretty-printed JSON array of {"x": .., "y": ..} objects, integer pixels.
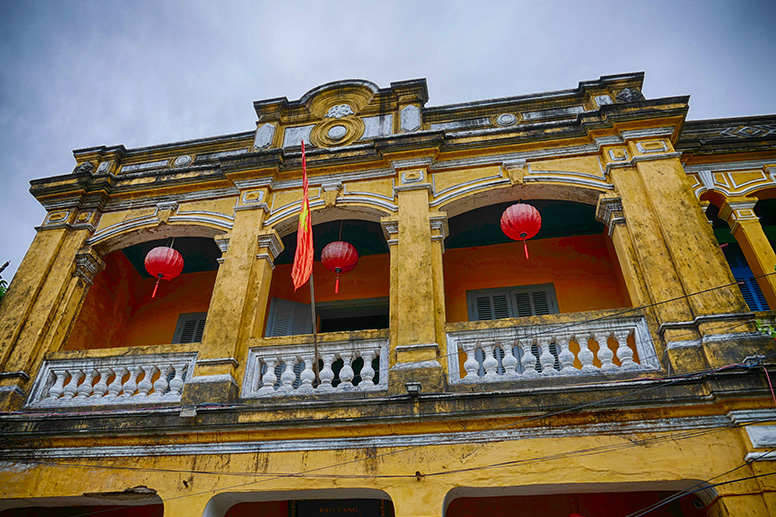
[
  {"x": 163, "y": 263},
  {"x": 521, "y": 221},
  {"x": 340, "y": 257}
]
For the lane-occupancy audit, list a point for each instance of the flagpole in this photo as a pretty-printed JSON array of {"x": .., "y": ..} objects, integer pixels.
[{"x": 315, "y": 329}]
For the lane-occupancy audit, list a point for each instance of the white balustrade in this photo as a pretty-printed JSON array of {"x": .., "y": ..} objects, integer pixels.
[
  {"x": 575, "y": 349},
  {"x": 345, "y": 367},
  {"x": 138, "y": 379}
]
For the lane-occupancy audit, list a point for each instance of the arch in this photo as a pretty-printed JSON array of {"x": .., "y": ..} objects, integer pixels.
[
  {"x": 127, "y": 234},
  {"x": 488, "y": 195},
  {"x": 323, "y": 214},
  {"x": 701, "y": 489},
  {"x": 220, "y": 504}
]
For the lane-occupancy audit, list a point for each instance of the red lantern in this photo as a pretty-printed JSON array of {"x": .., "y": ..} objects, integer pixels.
[
  {"x": 163, "y": 263},
  {"x": 340, "y": 257},
  {"x": 521, "y": 221}
]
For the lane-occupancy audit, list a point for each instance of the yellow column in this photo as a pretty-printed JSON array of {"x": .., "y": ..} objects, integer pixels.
[
  {"x": 42, "y": 300},
  {"x": 238, "y": 304},
  {"x": 417, "y": 297},
  {"x": 745, "y": 227},
  {"x": 609, "y": 212}
]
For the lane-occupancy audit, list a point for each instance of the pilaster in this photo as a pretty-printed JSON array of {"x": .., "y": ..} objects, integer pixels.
[
  {"x": 43, "y": 299},
  {"x": 416, "y": 237},
  {"x": 236, "y": 307},
  {"x": 745, "y": 227}
]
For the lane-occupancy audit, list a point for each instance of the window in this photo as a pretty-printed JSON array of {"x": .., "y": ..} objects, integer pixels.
[
  {"x": 189, "y": 328},
  {"x": 287, "y": 318},
  {"x": 511, "y": 302},
  {"x": 743, "y": 275}
]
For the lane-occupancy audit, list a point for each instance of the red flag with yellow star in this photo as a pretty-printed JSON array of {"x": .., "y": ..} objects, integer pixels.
[{"x": 303, "y": 258}]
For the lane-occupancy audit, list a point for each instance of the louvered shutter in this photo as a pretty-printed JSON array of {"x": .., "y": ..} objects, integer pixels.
[
  {"x": 190, "y": 328},
  {"x": 743, "y": 274},
  {"x": 287, "y": 318},
  {"x": 515, "y": 302}
]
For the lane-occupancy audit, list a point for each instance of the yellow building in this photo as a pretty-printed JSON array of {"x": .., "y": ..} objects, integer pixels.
[{"x": 617, "y": 370}]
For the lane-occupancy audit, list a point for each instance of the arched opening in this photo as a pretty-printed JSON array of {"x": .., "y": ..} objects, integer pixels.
[
  {"x": 362, "y": 300},
  {"x": 742, "y": 272},
  {"x": 572, "y": 266},
  {"x": 131, "y": 502},
  {"x": 685, "y": 498},
  {"x": 301, "y": 503},
  {"x": 119, "y": 310}
]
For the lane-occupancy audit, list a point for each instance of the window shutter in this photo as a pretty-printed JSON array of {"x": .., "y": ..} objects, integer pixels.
[
  {"x": 743, "y": 274},
  {"x": 287, "y": 318},
  {"x": 515, "y": 302},
  {"x": 190, "y": 328}
]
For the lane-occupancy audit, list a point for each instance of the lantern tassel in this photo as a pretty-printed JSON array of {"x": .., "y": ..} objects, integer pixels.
[
  {"x": 336, "y": 283},
  {"x": 156, "y": 286},
  {"x": 525, "y": 245}
]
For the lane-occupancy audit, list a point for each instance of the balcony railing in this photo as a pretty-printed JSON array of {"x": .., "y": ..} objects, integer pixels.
[
  {"x": 117, "y": 380},
  {"x": 358, "y": 365},
  {"x": 606, "y": 346}
]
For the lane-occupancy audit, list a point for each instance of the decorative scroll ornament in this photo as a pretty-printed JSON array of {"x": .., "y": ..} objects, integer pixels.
[
  {"x": 520, "y": 222},
  {"x": 339, "y": 111}
]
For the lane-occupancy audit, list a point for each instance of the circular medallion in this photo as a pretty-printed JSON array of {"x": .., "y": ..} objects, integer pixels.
[
  {"x": 180, "y": 161},
  {"x": 506, "y": 119},
  {"x": 337, "y": 132}
]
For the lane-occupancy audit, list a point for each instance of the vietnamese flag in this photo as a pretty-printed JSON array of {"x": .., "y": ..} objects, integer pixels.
[{"x": 303, "y": 258}]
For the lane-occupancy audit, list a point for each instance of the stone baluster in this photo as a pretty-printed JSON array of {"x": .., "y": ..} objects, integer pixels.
[
  {"x": 308, "y": 375},
  {"x": 269, "y": 378},
  {"x": 85, "y": 389},
  {"x": 489, "y": 363},
  {"x": 367, "y": 371},
  {"x": 529, "y": 360},
  {"x": 471, "y": 366},
  {"x": 326, "y": 374},
  {"x": 605, "y": 354},
  {"x": 585, "y": 355},
  {"x": 624, "y": 352},
  {"x": 101, "y": 388},
  {"x": 161, "y": 384},
  {"x": 509, "y": 361},
  {"x": 144, "y": 386},
  {"x": 546, "y": 358},
  {"x": 288, "y": 376},
  {"x": 565, "y": 356},
  {"x": 72, "y": 387},
  {"x": 130, "y": 387},
  {"x": 346, "y": 375},
  {"x": 176, "y": 384},
  {"x": 57, "y": 388},
  {"x": 114, "y": 388}
]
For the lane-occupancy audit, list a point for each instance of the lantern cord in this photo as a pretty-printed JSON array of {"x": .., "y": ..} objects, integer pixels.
[
  {"x": 340, "y": 234},
  {"x": 159, "y": 279},
  {"x": 172, "y": 244}
]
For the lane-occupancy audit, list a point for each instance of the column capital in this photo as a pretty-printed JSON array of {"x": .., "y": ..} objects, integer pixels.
[
  {"x": 87, "y": 264},
  {"x": 736, "y": 210},
  {"x": 609, "y": 211},
  {"x": 270, "y": 246}
]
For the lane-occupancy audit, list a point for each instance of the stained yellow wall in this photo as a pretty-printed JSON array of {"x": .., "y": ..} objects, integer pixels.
[{"x": 579, "y": 267}]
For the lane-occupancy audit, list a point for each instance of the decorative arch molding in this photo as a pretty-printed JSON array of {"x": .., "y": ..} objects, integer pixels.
[
  {"x": 485, "y": 195},
  {"x": 220, "y": 504},
  {"x": 323, "y": 214},
  {"x": 145, "y": 229}
]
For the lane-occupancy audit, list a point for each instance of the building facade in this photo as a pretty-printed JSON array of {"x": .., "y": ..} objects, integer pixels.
[{"x": 615, "y": 368}]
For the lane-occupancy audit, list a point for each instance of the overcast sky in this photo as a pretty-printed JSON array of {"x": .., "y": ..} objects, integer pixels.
[{"x": 77, "y": 74}]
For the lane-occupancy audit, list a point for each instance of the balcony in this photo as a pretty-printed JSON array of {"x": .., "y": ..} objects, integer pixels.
[
  {"x": 349, "y": 362},
  {"x": 151, "y": 375},
  {"x": 576, "y": 345}
]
